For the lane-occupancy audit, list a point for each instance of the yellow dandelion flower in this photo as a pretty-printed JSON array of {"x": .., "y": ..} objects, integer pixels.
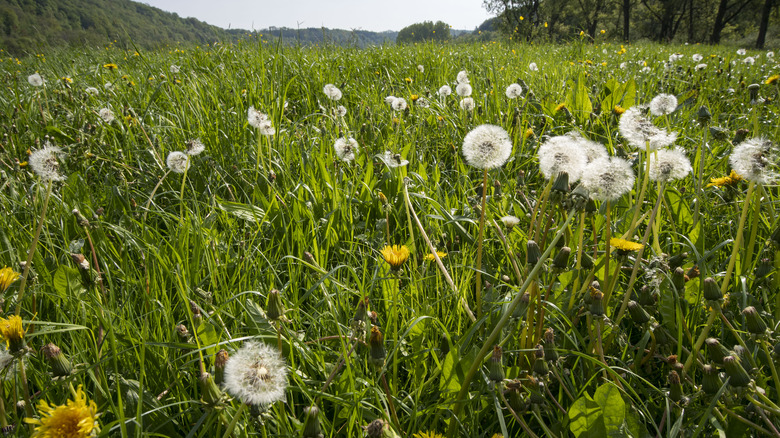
[
  {"x": 624, "y": 246},
  {"x": 732, "y": 179},
  {"x": 528, "y": 133},
  {"x": 772, "y": 79},
  {"x": 67, "y": 80},
  {"x": 110, "y": 66},
  {"x": 7, "y": 275},
  {"x": 408, "y": 80},
  {"x": 618, "y": 110},
  {"x": 395, "y": 255},
  {"x": 603, "y": 31},
  {"x": 75, "y": 419},
  {"x": 428, "y": 434},
  {"x": 11, "y": 330},
  {"x": 430, "y": 257},
  {"x": 414, "y": 97},
  {"x": 522, "y": 18},
  {"x": 560, "y": 107}
]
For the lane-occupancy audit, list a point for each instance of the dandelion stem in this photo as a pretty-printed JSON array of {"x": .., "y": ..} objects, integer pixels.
[
  {"x": 641, "y": 198},
  {"x": 578, "y": 265},
  {"x": 25, "y": 391},
  {"x": 479, "y": 245},
  {"x": 234, "y": 421},
  {"x": 607, "y": 249},
  {"x": 517, "y": 418},
  {"x": 31, "y": 251}
]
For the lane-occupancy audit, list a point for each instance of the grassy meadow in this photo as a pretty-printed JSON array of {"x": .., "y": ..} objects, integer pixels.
[{"x": 139, "y": 268}]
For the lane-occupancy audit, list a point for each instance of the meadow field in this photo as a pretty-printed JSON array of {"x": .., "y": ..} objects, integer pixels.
[{"x": 575, "y": 240}]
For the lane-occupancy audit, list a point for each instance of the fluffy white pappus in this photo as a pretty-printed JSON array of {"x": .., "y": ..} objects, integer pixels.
[
  {"x": 593, "y": 149},
  {"x": 641, "y": 133},
  {"x": 399, "y": 104},
  {"x": 741, "y": 52},
  {"x": 607, "y": 179},
  {"x": 256, "y": 374},
  {"x": 106, "y": 114},
  {"x": 487, "y": 147},
  {"x": 663, "y": 104},
  {"x": 445, "y": 91},
  {"x": 467, "y": 104},
  {"x": 195, "y": 147},
  {"x": 255, "y": 117},
  {"x": 562, "y": 153},
  {"x": 92, "y": 91},
  {"x": 345, "y": 148},
  {"x": 700, "y": 67},
  {"x": 178, "y": 162},
  {"x": 389, "y": 99},
  {"x": 420, "y": 68},
  {"x": 340, "y": 111},
  {"x": 332, "y": 92},
  {"x": 756, "y": 160},
  {"x": 749, "y": 60},
  {"x": 174, "y": 68},
  {"x": 533, "y": 67},
  {"x": 674, "y": 57},
  {"x": 513, "y": 91},
  {"x": 45, "y": 162},
  {"x": 422, "y": 103},
  {"x": 510, "y": 221},
  {"x": 669, "y": 165},
  {"x": 463, "y": 89},
  {"x": 463, "y": 77},
  {"x": 696, "y": 57},
  {"x": 392, "y": 160},
  {"x": 35, "y": 80}
]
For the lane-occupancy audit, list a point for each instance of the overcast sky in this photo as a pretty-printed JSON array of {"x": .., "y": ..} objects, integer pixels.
[{"x": 374, "y": 15}]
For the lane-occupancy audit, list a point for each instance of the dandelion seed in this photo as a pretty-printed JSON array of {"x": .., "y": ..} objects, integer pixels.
[
  {"x": 463, "y": 77},
  {"x": 770, "y": 54},
  {"x": 607, "y": 179},
  {"x": 663, "y": 104},
  {"x": 513, "y": 91},
  {"x": 35, "y": 80},
  {"x": 346, "y": 148},
  {"x": 422, "y": 102},
  {"x": 445, "y": 91},
  {"x": 178, "y": 162},
  {"x": 646, "y": 70},
  {"x": 256, "y": 374},
  {"x": 106, "y": 114},
  {"x": 755, "y": 159},
  {"x": 641, "y": 133},
  {"x": 420, "y": 68},
  {"x": 399, "y": 104},
  {"x": 560, "y": 154},
  {"x": 467, "y": 104},
  {"x": 696, "y": 57},
  {"x": 392, "y": 160},
  {"x": 749, "y": 60},
  {"x": 332, "y": 92},
  {"x": 92, "y": 91},
  {"x": 108, "y": 86},
  {"x": 390, "y": 99},
  {"x": 174, "y": 68},
  {"x": 669, "y": 165},
  {"x": 674, "y": 57},
  {"x": 340, "y": 111},
  {"x": 45, "y": 163},
  {"x": 395, "y": 255},
  {"x": 741, "y": 52},
  {"x": 700, "y": 67},
  {"x": 487, "y": 147},
  {"x": 77, "y": 418},
  {"x": 195, "y": 147},
  {"x": 593, "y": 149},
  {"x": 463, "y": 89},
  {"x": 533, "y": 67}
]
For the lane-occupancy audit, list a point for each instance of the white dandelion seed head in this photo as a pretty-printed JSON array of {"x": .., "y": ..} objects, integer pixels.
[
  {"x": 622, "y": 65},
  {"x": 108, "y": 86},
  {"x": 195, "y": 147},
  {"x": 467, "y": 104},
  {"x": 35, "y": 80},
  {"x": 593, "y": 149},
  {"x": 696, "y": 57},
  {"x": 463, "y": 77},
  {"x": 463, "y": 89},
  {"x": 663, "y": 104},
  {"x": 266, "y": 128},
  {"x": 770, "y": 54},
  {"x": 92, "y": 91},
  {"x": 174, "y": 68},
  {"x": 445, "y": 91},
  {"x": 340, "y": 111},
  {"x": 674, "y": 57},
  {"x": 346, "y": 148},
  {"x": 399, "y": 104},
  {"x": 45, "y": 162},
  {"x": 510, "y": 221},
  {"x": 178, "y": 162},
  {"x": 756, "y": 160},
  {"x": 646, "y": 70},
  {"x": 106, "y": 114},
  {"x": 256, "y": 374},
  {"x": 669, "y": 165},
  {"x": 487, "y": 147},
  {"x": 533, "y": 67},
  {"x": 255, "y": 117},
  {"x": 513, "y": 91},
  {"x": 422, "y": 102},
  {"x": 562, "y": 153},
  {"x": 749, "y": 60},
  {"x": 607, "y": 179},
  {"x": 332, "y": 92},
  {"x": 700, "y": 67},
  {"x": 420, "y": 68},
  {"x": 389, "y": 100},
  {"x": 392, "y": 160},
  {"x": 641, "y": 133},
  {"x": 741, "y": 52}
]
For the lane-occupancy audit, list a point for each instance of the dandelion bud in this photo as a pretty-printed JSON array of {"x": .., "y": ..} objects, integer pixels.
[
  {"x": 753, "y": 90},
  {"x": 309, "y": 257},
  {"x": 182, "y": 332},
  {"x": 675, "y": 387},
  {"x": 497, "y": 189},
  {"x": 522, "y": 306},
  {"x": 638, "y": 313},
  {"x": 678, "y": 279},
  {"x": 514, "y": 390},
  {"x": 382, "y": 198},
  {"x": 647, "y": 296},
  {"x": 311, "y": 425},
  {"x": 495, "y": 369},
  {"x": 550, "y": 353},
  {"x": 60, "y": 365},
  {"x": 662, "y": 337},
  {"x": 560, "y": 188},
  {"x": 711, "y": 381},
  {"x": 744, "y": 356},
  {"x": 716, "y": 350},
  {"x": 597, "y": 304},
  {"x": 540, "y": 367},
  {"x": 80, "y": 219},
  {"x": 377, "y": 356},
  {"x": 692, "y": 273},
  {"x": 220, "y": 360},
  {"x": 753, "y": 321},
  {"x": 704, "y": 115},
  {"x": 274, "y": 307},
  {"x": 380, "y": 429},
  {"x": 537, "y": 394},
  {"x": 737, "y": 375},
  {"x": 211, "y": 395},
  {"x": 534, "y": 253},
  {"x": 586, "y": 261},
  {"x": 361, "y": 314},
  {"x": 711, "y": 290},
  {"x": 674, "y": 364},
  {"x": 740, "y": 136},
  {"x": 578, "y": 198},
  {"x": 561, "y": 260}
]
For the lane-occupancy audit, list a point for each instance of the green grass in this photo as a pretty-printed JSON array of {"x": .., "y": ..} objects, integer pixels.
[{"x": 214, "y": 241}]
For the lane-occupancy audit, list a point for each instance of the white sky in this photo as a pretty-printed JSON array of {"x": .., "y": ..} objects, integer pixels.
[{"x": 374, "y": 15}]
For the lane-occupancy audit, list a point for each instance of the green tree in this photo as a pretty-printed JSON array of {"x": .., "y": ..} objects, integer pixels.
[{"x": 425, "y": 31}]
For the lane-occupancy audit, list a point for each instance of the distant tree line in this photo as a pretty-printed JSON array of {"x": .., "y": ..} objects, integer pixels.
[
  {"x": 693, "y": 21},
  {"x": 425, "y": 31}
]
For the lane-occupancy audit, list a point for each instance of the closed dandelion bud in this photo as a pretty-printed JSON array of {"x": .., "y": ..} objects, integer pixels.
[
  {"x": 540, "y": 365},
  {"x": 738, "y": 377},
  {"x": 550, "y": 353},
  {"x": 716, "y": 350},
  {"x": 560, "y": 188},
  {"x": 764, "y": 268},
  {"x": 661, "y": 335},
  {"x": 515, "y": 396},
  {"x": 753, "y": 321},
  {"x": 704, "y": 115},
  {"x": 534, "y": 253},
  {"x": 211, "y": 395},
  {"x": 495, "y": 368},
  {"x": 647, "y": 296},
  {"x": 309, "y": 258},
  {"x": 678, "y": 279},
  {"x": 380, "y": 429},
  {"x": 197, "y": 316},
  {"x": 711, "y": 290},
  {"x": 753, "y": 90},
  {"x": 537, "y": 394},
  {"x": 740, "y": 136},
  {"x": 80, "y": 219},
  {"x": 597, "y": 304},
  {"x": 60, "y": 365},
  {"x": 274, "y": 307},
  {"x": 743, "y": 354},
  {"x": 182, "y": 332},
  {"x": 220, "y": 360},
  {"x": 311, "y": 424},
  {"x": 677, "y": 260},
  {"x": 578, "y": 198},
  {"x": 711, "y": 381},
  {"x": 377, "y": 355},
  {"x": 675, "y": 387},
  {"x": 561, "y": 260},
  {"x": 638, "y": 314},
  {"x": 361, "y": 314},
  {"x": 590, "y": 207},
  {"x": 586, "y": 261},
  {"x": 692, "y": 273},
  {"x": 497, "y": 189},
  {"x": 776, "y": 351},
  {"x": 522, "y": 306}
]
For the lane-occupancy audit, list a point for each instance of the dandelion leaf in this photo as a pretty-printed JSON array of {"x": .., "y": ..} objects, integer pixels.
[
  {"x": 67, "y": 282},
  {"x": 587, "y": 418},
  {"x": 613, "y": 407},
  {"x": 577, "y": 99}
]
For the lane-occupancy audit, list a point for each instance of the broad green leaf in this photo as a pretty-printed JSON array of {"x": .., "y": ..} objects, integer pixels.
[
  {"x": 67, "y": 282},
  {"x": 577, "y": 100},
  {"x": 587, "y": 418},
  {"x": 242, "y": 211},
  {"x": 613, "y": 406}
]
